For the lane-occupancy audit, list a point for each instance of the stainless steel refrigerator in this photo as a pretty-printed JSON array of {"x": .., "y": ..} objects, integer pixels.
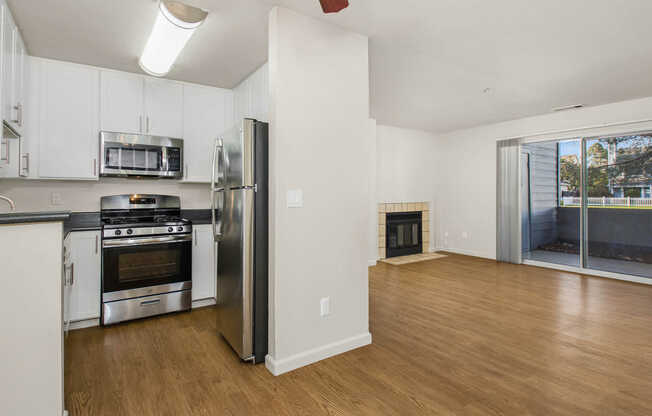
[{"x": 239, "y": 198}]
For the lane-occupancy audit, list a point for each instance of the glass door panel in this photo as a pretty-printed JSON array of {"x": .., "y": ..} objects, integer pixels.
[
  {"x": 551, "y": 201},
  {"x": 619, "y": 205}
]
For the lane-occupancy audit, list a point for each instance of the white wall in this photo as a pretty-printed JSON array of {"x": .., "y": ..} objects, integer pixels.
[
  {"x": 408, "y": 169},
  {"x": 468, "y": 183},
  {"x": 319, "y": 143},
  {"x": 35, "y": 195}
]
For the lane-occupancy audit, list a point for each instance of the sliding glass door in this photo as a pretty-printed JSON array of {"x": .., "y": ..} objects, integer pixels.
[
  {"x": 588, "y": 203},
  {"x": 551, "y": 200},
  {"x": 619, "y": 205}
]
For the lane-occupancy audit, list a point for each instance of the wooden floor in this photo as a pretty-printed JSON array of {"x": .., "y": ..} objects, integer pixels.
[{"x": 454, "y": 336}]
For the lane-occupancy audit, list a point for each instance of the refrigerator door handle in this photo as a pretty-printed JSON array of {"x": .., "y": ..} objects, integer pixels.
[
  {"x": 217, "y": 226},
  {"x": 217, "y": 223},
  {"x": 218, "y": 153}
]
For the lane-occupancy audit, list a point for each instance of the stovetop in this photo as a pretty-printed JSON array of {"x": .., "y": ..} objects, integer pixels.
[
  {"x": 141, "y": 215},
  {"x": 112, "y": 222}
]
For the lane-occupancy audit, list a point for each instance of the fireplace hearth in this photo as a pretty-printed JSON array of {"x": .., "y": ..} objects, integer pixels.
[{"x": 403, "y": 233}]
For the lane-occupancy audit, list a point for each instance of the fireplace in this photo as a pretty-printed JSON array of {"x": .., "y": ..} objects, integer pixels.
[{"x": 403, "y": 233}]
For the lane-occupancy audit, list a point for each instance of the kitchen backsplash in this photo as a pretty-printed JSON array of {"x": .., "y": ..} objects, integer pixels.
[{"x": 38, "y": 195}]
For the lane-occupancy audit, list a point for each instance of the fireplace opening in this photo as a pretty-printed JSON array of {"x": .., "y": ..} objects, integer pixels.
[{"x": 403, "y": 233}]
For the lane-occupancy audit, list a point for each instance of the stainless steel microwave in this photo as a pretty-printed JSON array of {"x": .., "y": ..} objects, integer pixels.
[{"x": 140, "y": 155}]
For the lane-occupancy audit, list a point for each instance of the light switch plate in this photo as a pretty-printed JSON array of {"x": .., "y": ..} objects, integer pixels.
[
  {"x": 325, "y": 306},
  {"x": 295, "y": 198}
]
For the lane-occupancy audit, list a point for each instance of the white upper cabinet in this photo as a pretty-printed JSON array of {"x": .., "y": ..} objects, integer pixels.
[
  {"x": 163, "y": 108},
  {"x": 7, "y": 62},
  {"x": 13, "y": 72},
  {"x": 251, "y": 96},
  {"x": 135, "y": 104},
  {"x": 69, "y": 121},
  {"x": 122, "y": 102},
  {"x": 18, "y": 82},
  {"x": 205, "y": 112}
]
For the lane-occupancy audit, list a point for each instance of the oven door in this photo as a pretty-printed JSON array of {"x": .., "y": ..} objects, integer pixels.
[{"x": 133, "y": 267}]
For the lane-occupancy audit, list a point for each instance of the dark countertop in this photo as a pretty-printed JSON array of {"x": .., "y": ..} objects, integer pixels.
[
  {"x": 26, "y": 217},
  {"x": 197, "y": 216},
  {"x": 83, "y": 221}
]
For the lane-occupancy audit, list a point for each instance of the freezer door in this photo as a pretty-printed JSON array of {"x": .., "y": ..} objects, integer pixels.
[
  {"x": 235, "y": 272},
  {"x": 239, "y": 155}
]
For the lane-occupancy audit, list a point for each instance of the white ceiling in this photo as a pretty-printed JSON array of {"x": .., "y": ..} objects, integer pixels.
[
  {"x": 231, "y": 44},
  {"x": 430, "y": 60}
]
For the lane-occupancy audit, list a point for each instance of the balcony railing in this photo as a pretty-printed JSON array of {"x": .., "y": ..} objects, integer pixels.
[{"x": 604, "y": 202}]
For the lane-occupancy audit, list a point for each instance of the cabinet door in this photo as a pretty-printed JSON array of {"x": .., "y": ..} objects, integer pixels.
[
  {"x": 121, "y": 105},
  {"x": 9, "y": 158},
  {"x": 163, "y": 108},
  {"x": 85, "y": 255},
  {"x": 8, "y": 28},
  {"x": 203, "y": 263},
  {"x": 67, "y": 289},
  {"x": 204, "y": 119},
  {"x": 68, "y": 123},
  {"x": 18, "y": 83}
]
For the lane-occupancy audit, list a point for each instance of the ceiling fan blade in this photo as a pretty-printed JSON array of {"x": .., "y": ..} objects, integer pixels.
[{"x": 333, "y": 6}]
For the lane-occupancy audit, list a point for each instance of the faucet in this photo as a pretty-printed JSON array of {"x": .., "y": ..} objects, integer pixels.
[{"x": 9, "y": 201}]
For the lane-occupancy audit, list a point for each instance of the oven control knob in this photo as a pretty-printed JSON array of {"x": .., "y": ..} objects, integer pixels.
[
  {"x": 130, "y": 231},
  {"x": 170, "y": 229},
  {"x": 180, "y": 229},
  {"x": 118, "y": 232}
]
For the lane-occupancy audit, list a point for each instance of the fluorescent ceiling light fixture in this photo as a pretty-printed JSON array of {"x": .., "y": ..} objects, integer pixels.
[{"x": 175, "y": 24}]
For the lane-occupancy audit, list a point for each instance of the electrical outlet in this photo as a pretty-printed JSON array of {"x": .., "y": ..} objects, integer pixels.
[
  {"x": 325, "y": 306},
  {"x": 55, "y": 198}
]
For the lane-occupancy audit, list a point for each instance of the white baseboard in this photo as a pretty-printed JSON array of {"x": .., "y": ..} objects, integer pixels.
[
  {"x": 465, "y": 252},
  {"x": 278, "y": 367},
  {"x": 372, "y": 262},
  {"x": 86, "y": 323},
  {"x": 200, "y": 303}
]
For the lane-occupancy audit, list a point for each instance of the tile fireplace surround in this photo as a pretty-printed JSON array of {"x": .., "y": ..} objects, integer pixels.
[{"x": 383, "y": 209}]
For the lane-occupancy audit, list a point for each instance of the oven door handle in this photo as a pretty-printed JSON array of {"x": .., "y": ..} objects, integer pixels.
[{"x": 126, "y": 242}]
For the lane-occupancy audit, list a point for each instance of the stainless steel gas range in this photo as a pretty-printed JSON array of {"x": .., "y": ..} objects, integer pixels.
[{"x": 146, "y": 257}]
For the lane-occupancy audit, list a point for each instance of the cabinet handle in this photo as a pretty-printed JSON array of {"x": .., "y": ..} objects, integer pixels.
[
  {"x": 147, "y": 124},
  {"x": 140, "y": 123},
  {"x": 97, "y": 244},
  {"x": 5, "y": 143},
  {"x": 72, "y": 274},
  {"x": 19, "y": 114},
  {"x": 186, "y": 171},
  {"x": 94, "y": 166},
  {"x": 25, "y": 165},
  {"x": 195, "y": 238}
]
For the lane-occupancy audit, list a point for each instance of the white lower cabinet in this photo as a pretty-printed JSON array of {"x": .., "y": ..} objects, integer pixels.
[
  {"x": 204, "y": 280},
  {"x": 85, "y": 275}
]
